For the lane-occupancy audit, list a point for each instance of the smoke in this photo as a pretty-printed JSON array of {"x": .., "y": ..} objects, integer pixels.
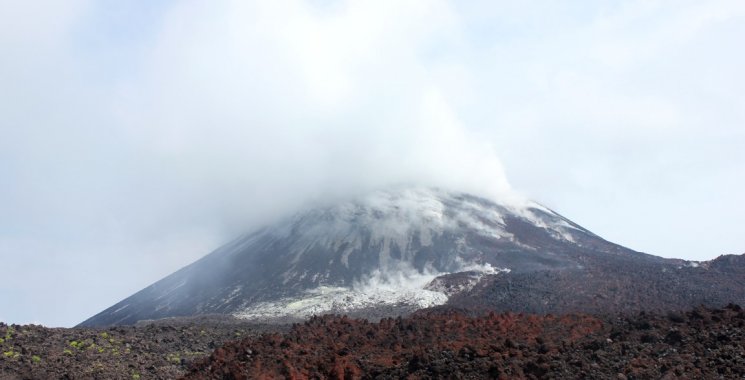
[
  {"x": 139, "y": 146},
  {"x": 225, "y": 116},
  {"x": 394, "y": 286},
  {"x": 254, "y": 109}
]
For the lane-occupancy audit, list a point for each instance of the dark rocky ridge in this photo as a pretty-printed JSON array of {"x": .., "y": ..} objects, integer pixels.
[{"x": 612, "y": 284}]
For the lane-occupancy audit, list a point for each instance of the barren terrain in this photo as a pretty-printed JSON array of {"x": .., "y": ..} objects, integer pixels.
[{"x": 436, "y": 343}]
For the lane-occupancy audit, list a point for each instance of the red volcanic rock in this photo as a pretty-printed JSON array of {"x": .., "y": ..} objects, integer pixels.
[
  {"x": 442, "y": 343},
  {"x": 341, "y": 348},
  {"x": 435, "y": 343}
]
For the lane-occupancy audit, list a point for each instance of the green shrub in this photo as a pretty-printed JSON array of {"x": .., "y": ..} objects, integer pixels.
[
  {"x": 174, "y": 358},
  {"x": 36, "y": 359},
  {"x": 11, "y": 354},
  {"x": 9, "y": 333}
]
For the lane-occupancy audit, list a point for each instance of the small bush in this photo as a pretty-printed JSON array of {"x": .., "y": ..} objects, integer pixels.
[
  {"x": 11, "y": 354},
  {"x": 174, "y": 358},
  {"x": 9, "y": 333}
]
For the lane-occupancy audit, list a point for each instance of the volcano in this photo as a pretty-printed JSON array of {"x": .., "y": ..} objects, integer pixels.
[{"x": 395, "y": 251}]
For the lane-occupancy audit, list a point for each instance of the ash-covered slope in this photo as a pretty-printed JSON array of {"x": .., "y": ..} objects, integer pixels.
[
  {"x": 613, "y": 285},
  {"x": 377, "y": 254}
]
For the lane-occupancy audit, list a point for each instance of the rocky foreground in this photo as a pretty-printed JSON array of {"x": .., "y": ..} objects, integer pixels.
[
  {"x": 700, "y": 344},
  {"x": 435, "y": 343},
  {"x": 153, "y": 350}
]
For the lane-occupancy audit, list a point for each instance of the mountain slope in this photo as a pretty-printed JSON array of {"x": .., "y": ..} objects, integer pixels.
[
  {"x": 388, "y": 253},
  {"x": 613, "y": 285}
]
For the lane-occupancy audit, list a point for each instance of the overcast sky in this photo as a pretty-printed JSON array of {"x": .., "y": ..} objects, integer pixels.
[{"x": 137, "y": 136}]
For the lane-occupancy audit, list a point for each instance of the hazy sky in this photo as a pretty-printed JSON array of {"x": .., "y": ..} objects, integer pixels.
[{"x": 138, "y": 136}]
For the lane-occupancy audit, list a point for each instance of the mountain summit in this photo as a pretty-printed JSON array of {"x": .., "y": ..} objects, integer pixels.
[{"x": 388, "y": 253}]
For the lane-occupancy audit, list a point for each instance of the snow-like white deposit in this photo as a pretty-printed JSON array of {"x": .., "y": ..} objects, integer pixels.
[{"x": 402, "y": 286}]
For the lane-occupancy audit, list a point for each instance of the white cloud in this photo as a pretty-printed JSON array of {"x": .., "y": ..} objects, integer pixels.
[
  {"x": 226, "y": 115},
  {"x": 626, "y": 111}
]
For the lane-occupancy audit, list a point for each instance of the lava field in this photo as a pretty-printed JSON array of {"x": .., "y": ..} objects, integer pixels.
[{"x": 703, "y": 343}]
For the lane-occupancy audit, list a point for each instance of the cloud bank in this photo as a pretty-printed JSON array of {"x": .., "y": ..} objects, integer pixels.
[
  {"x": 127, "y": 146},
  {"x": 236, "y": 109}
]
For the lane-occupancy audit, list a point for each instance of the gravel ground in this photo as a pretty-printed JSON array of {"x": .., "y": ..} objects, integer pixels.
[
  {"x": 156, "y": 350},
  {"x": 703, "y": 343},
  {"x": 699, "y": 344}
]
